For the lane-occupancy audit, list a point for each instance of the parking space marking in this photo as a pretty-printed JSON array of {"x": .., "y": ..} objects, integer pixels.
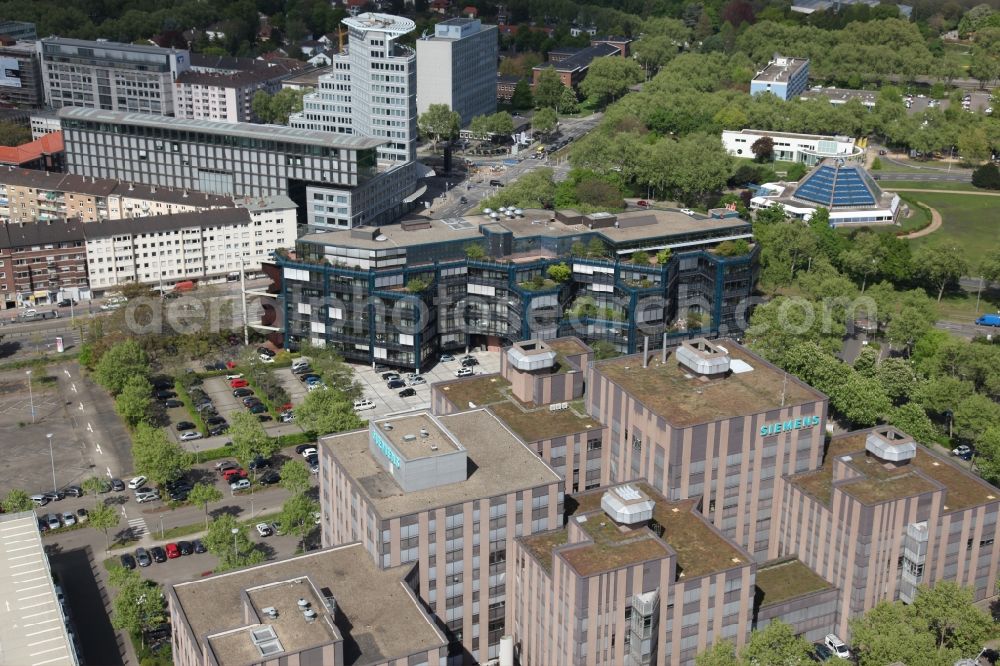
[
  {"x": 32, "y": 596},
  {"x": 42, "y": 631},
  {"x": 30, "y": 587},
  {"x": 47, "y": 661},
  {"x": 46, "y": 640}
]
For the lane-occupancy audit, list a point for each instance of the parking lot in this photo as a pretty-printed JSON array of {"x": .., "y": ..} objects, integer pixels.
[{"x": 388, "y": 402}]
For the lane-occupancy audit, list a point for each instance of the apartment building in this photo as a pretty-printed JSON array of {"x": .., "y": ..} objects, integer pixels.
[
  {"x": 333, "y": 178},
  {"x": 786, "y": 78},
  {"x": 883, "y": 515},
  {"x": 223, "y": 88},
  {"x": 332, "y": 607},
  {"x": 20, "y": 74},
  {"x": 27, "y": 195},
  {"x": 372, "y": 90},
  {"x": 401, "y": 294},
  {"x": 457, "y": 66},
  {"x": 40, "y": 261},
  {"x": 104, "y": 75},
  {"x": 165, "y": 249},
  {"x": 447, "y": 494}
]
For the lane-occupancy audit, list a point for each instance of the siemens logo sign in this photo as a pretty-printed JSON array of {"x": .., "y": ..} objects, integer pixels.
[
  {"x": 796, "y": 424},
  {"x": 386, "y": 451}
]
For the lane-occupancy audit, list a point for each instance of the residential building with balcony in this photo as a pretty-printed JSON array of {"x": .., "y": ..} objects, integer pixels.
[
  {"x": 402, "y": 294},
  {"x": 130, "y": 78},
  {"x": 40, "y": 261},
  {"x": 448, "y": 495}
]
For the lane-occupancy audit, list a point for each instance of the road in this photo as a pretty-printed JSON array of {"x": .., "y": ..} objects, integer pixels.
[{"x": 932, "y": 175}]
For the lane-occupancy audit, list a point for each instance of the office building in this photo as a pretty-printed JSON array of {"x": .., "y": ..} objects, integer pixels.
[
  {"x": 19, "y": 31},
  {"x": 27, "y": 195},
  {"x": 783, "y": 77},
  {"x": 333, "y": 178},
  {"x": 332, "y": 607},
  {"x": 572, "y": 64},
  {"x": 223, "y": 88},
  {"x": 401, "y": 294},
  {"x": 41, "y": 262},
  {"x": 372, "y": 91},
  {"x": 448, "y": 494},
  {"x": 109, "y": 76},
  {"x": 209, "y": 244},
  {"x": 42, "y": 123},
  {"x": 457, "y": 67},
  {"x": 847, "y": 191},
  {"x": 841, "y": 96},
  {"x": 809, "y": 149},
  {"x": 20, "y": 74},
  {"x": 32, "y": 599}
]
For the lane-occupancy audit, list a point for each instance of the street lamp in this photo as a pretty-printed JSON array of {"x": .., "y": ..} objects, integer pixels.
[
  {"x": 236, "y": 531},
  {"x": 52, "y": 460},
  {"x": 31, "y": 399}
]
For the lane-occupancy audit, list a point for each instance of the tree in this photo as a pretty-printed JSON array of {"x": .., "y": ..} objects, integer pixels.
[
  {"x": 559, "y": 272},
  {"x": 439, "y": 122},
  {"x": 953, "y": 619},
  {"x": 861, "y": 400},
  {"x": 912, "y": 419},
  {"x": 120, "y": 363},
  {"x": 984, "y": 68},
  {"x": 234, "y": 550},
  {"x": 521, "y": 98},
  {"x": 93, "y": 484},
  {"x": 889, "y": 633},
  {"x": 987, "y": 177},
  {"x": 989, "y": 268},
  {"x": 138, "y": 605},
  {"x": 596, "y": 249},
  {"x": 104, "y": 517},
  {"x": 295, "y": 477},
  {"x": 603, "y": 350},
  {"x": 275, "y": 109},
  {"x": 897, "y": 378},
  {"x": 567, "y": 102},
  {"x": 204, "y": 494},
  {"x": 797, "y": 171},
  {"x": 776, "y": 644},
  {"x": 974, "y": 146},
  {"x": 157, "y": 457},
  {"x": 763, "y": 149},
  {"x": 500, "y": 123},
  {"x": 248, "y": 437},
  {"x": 544, "y": 121},
  {"x": 297, "y": 514},
  {"x": 17, "y": 500},
  {"x": 640, "y": 258},
  {"x": 610, "y": 77},
  {"x": 721, "y": 653},
  {"x": 134, "y": 401},
  {"x": 941, "y": 266},
  {"x": 663, "y": 256},
  {"x": 475, "y": 252},
  {"x": 548, "y": 89},
  {"x": 12, "y": 134},
  {"x": 862, "y": 260},
  {"x": 697, "y": 166},
  {"x": 324, "y": 412}
]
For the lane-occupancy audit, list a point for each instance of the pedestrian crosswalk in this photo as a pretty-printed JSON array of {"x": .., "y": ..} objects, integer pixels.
[{"x": 138, "y": 527}]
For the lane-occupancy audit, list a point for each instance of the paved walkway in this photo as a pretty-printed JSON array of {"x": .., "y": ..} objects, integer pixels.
[{"x": 929, "y": 229}]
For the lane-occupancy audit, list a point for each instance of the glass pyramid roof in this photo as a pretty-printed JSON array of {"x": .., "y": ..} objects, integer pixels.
[{"x": 834, "y": 184}]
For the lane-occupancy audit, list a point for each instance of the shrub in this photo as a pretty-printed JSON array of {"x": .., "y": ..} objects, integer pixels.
[{"x": 987, "y": 177}]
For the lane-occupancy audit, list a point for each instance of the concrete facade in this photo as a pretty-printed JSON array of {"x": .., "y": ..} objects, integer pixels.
[
  {"x": 457, "y": 66},
  {"x": 21, "y": 80},
  {"x": 809, "y": 149},
  {"x": 786, "y": 78}
]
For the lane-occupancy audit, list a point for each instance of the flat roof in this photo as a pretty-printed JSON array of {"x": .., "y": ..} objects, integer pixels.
[
  {"x": 535, "y": 423},
  {"x": 880, "y": 483},
  {"x": 684, "y": 399},
  {"x": 435, "y": 442},
  {"x": 700, "y": 549},
  {"x": 111, "y": 46},
  {"x": 365, "y": 596},
  {"x": 33, "y": 630},
  {"x": 387, "y": 23},
  {"x": 480, "y": 390},
  {"x": 247, "y": 130},
  {"x": 652, "y": 224},
  {"x": 307, "y": 78},
  {"x": 792, "y": 135},
  {"x": 780, "y": 69},
  {"x": 841, "y": 95},
  {"x": 783, "y": 579},
  {"x": 500, "y": 463}
]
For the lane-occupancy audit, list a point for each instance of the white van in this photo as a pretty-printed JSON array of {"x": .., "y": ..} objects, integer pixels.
[
  {"x": 363, "y": 404},
  {"x": 837, "y": 646},
  {"x": 300, "y": 362}
]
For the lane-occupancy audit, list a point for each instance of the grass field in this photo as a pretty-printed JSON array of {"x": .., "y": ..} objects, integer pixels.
[
  {"x": 969, "y": 221},
  {"x": 962, "y": 307},
  {"x": 963, "y": 51},
  {"x": 892, "y": 185},
  {"x": 906, "y": 165}
]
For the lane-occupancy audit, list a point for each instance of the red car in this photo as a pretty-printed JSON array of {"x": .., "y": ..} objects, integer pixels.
[
  {"x": 230, "y": 364},
  {"x": 642, "y": 203},
  {"x": 238, "y": 383},
  {"x": 173, "y": 551},
  {"x": 231, "y": 475}
]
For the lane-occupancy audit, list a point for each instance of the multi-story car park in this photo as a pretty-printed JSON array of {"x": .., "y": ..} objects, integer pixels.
[
  {"x": 110, "y": 76},
  {"x": 457, "y": 66},
  {"x": 449, "y": 494},
  {"x": 401, "y": 294},
  {"x": 333, "y": 178}
]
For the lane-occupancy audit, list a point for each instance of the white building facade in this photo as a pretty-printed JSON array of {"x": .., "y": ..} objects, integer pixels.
[
  {"x": 110, "y": 76},
  {"x": 457, "y": 66},
  {"x": 809, "y": 149}
]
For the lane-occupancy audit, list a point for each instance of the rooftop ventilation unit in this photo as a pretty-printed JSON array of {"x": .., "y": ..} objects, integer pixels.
[
  {"x": 627, "y": 505},
  {"x": 310, "y": 615},
  {"x": 303, "y": 604},
  {"x": 387, "y": 426},
  {"x": 424, "y": 433},
  {"x": 270, "y": 611},
  {"x": 409, "y": 438},
  {"x": 890, "y": 445},
  {"x": 703, "y": 358},
  {"x": 531, "y": 355}
]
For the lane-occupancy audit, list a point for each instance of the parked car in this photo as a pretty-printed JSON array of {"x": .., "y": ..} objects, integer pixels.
[
  {"x": 264, "y": 351},
  {"x": 302, "y": 448},
  {"x": 242, "y": 393},
  {"x": 235, "y": 375},
  {"x": 147, "y": 496},
  {"x": 185, "y": 425},
  {"x": 310, "y": 377},
  {"x": 173, "y": 552},
  {"x": 963, "y": 451},
  {"x": 40, "y": 499},
  {"x": 837, "y": 646},
  {"x": 225, "y": 465},
  {"x": 301, "y": 369},
  {"x": 821, "y": 653},
  {"x": 495, "y": 183},
  {"x": 312, "y": 460},
  {"x": 136, "y": 482},
  {"x": 389, "y": 376},
  {"x": 396, "y": 384},
  {"x": 407, "y": 393},
  {"x": 55, "y": 495},
  {"x": 308, "y": 451},
  {"x": 68, "y": 518},
  {"x": 257, "y": 409},
  {"x": 117, "y": 485},
  {"x": 179, "y": 494},
  {"x": 447, "y": 358},
  {"x": 73, "y": 491},
  {"x": 687, "y": 211},
  {"x": 266, "y": 359},
  {"x": 233, "y": 474},
  {"x": 164, "y": 395},
  {"x": 269, "y": 478},
  {"x": 287, "y": 417},
  {"x": 469, "y": 361},
  {"x": 190, "y": 435},
  {"x": 989, "y": 320},
  {"x": 241, "y": 484},
  {"x": 158, "y": 554},
  {"x": 318, "y": 386},
  {"x": 250, "y": 401},
  {"x": 198, "y": 546},
  {"x": 215, "y": 420},
  {"x": 259, "y": 463},
  {"x": 82, "y": 515},
  {"x": 464, "y": 372},
  {"x": 172, "y": 404},
  {"x": 142, "y": 557},
  {"x": 185, "y": 547},
  {"x": 264, "y": 530},
  {"x": 237, "y": 383},
  {"x": 218, "y": 430},
  {"x": 417, "y": 380},
  {"x": 52, "y": 520},
  {"x": 363, "y": 404},
  {"x": 128, "y": 562},
  {"x": 642, "y": 203},
  {"x": 215, "y": 365}
]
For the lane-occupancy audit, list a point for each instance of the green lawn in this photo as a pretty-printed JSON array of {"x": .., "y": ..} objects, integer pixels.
[
  {"x": 891, "y": 185},
  {"x": 906, "y": 165},
  {"x": 963, "y": 51},
  {"x": 962, "y": 307},
  {"x": 969, "y": 221}
]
